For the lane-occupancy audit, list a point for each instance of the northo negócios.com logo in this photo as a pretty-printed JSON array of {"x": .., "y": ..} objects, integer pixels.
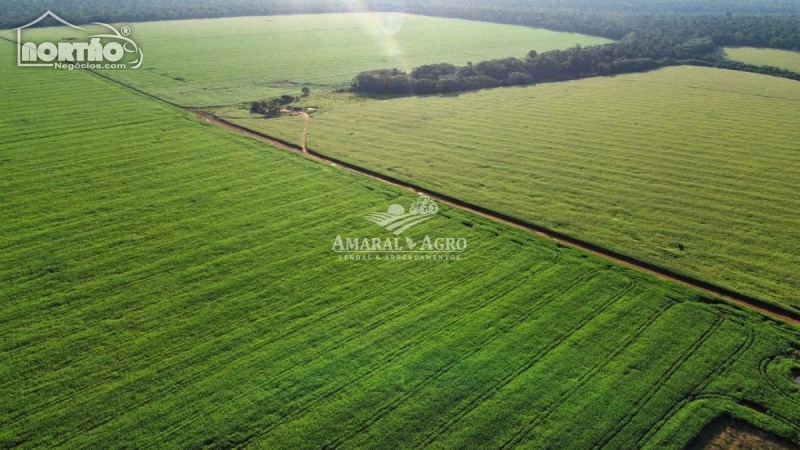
[{"x": 111, "y": 50}]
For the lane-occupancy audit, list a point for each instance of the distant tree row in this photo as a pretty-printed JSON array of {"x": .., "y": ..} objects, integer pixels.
[
  {"x": 759, "y": 23},
  {"x": 18, "y": 13},
  {"x": 613, "y": 20},
  {"x": 631, "y": 54},
  {"x": 272, "y": 107},
  {"x": 644, "y": 6}
]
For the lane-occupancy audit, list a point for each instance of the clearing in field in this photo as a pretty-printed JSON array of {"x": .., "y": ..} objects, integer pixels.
[
  {"x": 286, "y": 128},
  {"x": 725, "y": 434},
  {"x": 249, "y": 58},
  {"x": 693, "y": 169},
  {"x": 785, "y": 59},
  {"x": 168, "y": 283}
]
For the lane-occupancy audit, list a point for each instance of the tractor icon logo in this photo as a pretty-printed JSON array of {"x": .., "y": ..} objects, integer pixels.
[{"x": 397, "y": 220}]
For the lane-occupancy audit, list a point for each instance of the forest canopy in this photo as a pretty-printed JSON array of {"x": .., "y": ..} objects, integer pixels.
[{"x": 758, "y": 23}]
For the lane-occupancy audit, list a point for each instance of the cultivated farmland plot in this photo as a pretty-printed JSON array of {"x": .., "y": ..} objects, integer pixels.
[
  {"x": 166, "y": 283},
  {"x": 784, "y": 59},
  {"x": 692, "y": 169}
]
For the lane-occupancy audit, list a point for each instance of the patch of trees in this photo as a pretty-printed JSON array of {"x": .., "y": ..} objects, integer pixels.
[
  {"x": 630, "y": 55},
  {"x": 265, "y": 109},
  {"x": 272, "y": 107}
]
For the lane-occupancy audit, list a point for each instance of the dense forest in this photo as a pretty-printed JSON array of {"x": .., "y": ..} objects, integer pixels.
[
  {"x": 650, "y": 6},
  {"x": 759, "y": 23},
  {"x": 17, "y": 13},
  {"x": 757, "y": 30},
  {"x": 746, "y": 22}
]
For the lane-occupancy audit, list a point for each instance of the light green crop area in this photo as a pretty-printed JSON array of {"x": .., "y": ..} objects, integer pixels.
[
  {"x": 232, "y": 60},
  {"x": 692, "y": 169},
  {"x": 285, "y": 128},
  {"x": 784, "y": 59},
  {"x": 165, "y": 283}
]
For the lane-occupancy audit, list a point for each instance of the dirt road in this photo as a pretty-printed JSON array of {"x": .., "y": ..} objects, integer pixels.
[
  {"x": 732, "y": 297},
  {"x": 304, "y": 136},
  {"x": 251, "y": 134}
]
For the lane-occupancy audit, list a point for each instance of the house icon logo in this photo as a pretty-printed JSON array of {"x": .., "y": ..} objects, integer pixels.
[{"x": 107, "y": 50}]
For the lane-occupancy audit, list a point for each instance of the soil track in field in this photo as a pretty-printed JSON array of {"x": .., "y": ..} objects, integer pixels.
[
  {"x": 748, "y": 302},
  {"x": 708, "y": 288}
]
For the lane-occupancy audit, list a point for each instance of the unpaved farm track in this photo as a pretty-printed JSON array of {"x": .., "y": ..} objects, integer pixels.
[
  {"x": 304, "y": 137},
  {"x": 252, "y": 134},
  {"x": 259, "y": 136},
  {"x": 708, "y": 288},
  {"x": 748, "y": 302}
]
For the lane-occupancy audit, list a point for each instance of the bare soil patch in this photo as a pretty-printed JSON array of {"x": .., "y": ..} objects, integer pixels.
[{"x": 727, "y": 433}]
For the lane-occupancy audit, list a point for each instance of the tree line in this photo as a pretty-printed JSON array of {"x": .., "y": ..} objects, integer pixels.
[
  {"x": 631, "y": 54},
  {"x": 759, "y": 23},
  {"x": 673, "y": 26},
  {"x": 17, "y": 13}
]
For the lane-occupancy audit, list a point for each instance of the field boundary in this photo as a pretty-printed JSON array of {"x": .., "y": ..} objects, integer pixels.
[{"x": 752, "y": 303}]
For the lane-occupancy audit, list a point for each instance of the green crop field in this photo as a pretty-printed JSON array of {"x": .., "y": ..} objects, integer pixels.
[
  {"x": 784, "y": 59},
  {"x": 249, "y": 58},
  {"x": 167, "y": 283},
  {"x": 693, "y": 169}
]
